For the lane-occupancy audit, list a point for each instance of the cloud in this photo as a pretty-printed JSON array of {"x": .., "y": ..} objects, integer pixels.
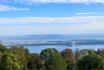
[
  {"x": 9, "y": 8},
  {"x": 52, "y": 1},
  {"x": 86, "y": 13},
  {"x": 86, "y": 1},
  {"x": 41, "y": 25},
  {"x": 61, "y": 1},
  {"x": 92, "y": 28},
  {"x": 74, "y": 19}
]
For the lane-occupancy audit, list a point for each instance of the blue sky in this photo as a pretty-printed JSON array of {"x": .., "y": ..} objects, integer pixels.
[{"x": 26, "y": 17}]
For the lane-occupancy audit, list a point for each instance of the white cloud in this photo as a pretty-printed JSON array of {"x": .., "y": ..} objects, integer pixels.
[
  {"x": 74, "y": 19},
  {"x": 86, "y": 1},
  {"x": 92, "y": 28},
  {"x": 52, "y": 1},
  {"x": 8, "y": 8},
  {"x": 60, "y": 1},
  {"x": 87, "y": 13},
  {"x": 83, "y": 25}
]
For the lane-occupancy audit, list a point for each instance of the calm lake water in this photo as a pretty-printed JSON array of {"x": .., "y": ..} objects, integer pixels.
[{"x": 38, "y": 49}]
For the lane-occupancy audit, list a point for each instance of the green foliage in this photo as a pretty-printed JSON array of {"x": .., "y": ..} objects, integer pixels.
[
  {"x": 68, "y": 55},
  {"x": 47, "y": 53},
  {"x": 8, "y": 62},
  {"x": 20, "y": 55},
  {"x": 77, "y": 54},
  {"x": 40, "y": 64},
  {"x": 32, "y": 61},
  {"x": 91, "y": 62},
  {"x": 56, "y": 62},
  {"x": 52, "y": 59},
  {"x": 3, "y": 49},
  {"x": 19, "y": 58}
]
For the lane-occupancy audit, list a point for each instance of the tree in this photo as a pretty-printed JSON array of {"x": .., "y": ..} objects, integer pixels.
[
  {"x": 32, "y": 61},
  {"x": 40, "y": 64},
  {"x": 20, "y": 54},
  {"x": 91, "y": 52},
  {"x": 2, "y": 48},
  {"x": 77, "y": 54},
  {"x": 67, "y": 54},
  {"x": 85, "y": 52},
  {"x": 8, "y": 62},
  {"x": 100, "y": 52},
  {"x": 53, "y": 60},
  {"x": 56, "y": 62},
  {"x": 91, "y": 62},
  {"x": 47, "y": 53}
]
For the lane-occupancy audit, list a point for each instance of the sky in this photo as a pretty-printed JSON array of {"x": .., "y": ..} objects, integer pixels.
[{"x": 27, "y": 17}]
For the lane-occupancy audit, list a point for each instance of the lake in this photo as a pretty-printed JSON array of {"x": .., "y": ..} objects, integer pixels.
[{"x": 38, "y": 49}]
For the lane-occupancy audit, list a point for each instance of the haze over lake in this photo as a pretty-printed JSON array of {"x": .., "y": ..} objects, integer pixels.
[{"x": 57, "y": 37}]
